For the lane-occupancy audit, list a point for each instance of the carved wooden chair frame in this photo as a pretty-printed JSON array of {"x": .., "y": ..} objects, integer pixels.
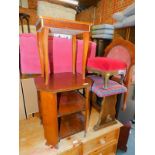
[{"x": 131, "y": 49}]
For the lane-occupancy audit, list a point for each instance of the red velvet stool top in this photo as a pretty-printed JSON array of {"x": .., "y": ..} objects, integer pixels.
[{"x": 106, "y": 64}]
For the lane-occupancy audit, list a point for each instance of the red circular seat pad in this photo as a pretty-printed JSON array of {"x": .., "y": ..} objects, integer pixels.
[{"x": 106, "y": 64}]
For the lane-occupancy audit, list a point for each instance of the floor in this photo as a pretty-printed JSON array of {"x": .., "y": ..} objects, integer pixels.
[
  {"x": 131, "y": 144},
  {"x": 32, "y": 140}
]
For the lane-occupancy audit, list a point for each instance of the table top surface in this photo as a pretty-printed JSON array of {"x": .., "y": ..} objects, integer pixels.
[
  {"x": 61, "y": 82},
  {"x": 63, "y": 26}
]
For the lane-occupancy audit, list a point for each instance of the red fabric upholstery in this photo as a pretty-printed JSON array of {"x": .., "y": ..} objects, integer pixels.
[
  {"x": 106, "y": 64},
  {"x": 120, "y": 53},
  {"x": 29, "y": 56},
  {"x": 60, "y": 54}
]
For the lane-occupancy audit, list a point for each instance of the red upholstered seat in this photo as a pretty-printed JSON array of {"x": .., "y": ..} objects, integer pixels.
[{"x": 106, "y": 64}]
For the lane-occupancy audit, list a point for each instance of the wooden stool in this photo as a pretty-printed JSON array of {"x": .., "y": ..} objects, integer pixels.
[
  {"x": 118, "y": 50},
  {"x": 45, "y": 25},
  {"x": 109, "y": 98}
]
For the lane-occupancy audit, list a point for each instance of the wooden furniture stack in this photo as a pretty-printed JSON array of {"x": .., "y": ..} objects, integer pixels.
[{"x": 64, "y": 111}]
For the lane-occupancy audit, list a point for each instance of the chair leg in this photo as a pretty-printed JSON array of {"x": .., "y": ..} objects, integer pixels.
[{"x": 125, "y": 101}]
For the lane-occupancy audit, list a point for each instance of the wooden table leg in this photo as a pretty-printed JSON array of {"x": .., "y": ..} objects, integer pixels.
[
  {"x": 48, "y": 105},
  {"x": 44, "y": 38},
  {"x": 41, "y": 54},
  {"x": 85, "y": 52},
  {"x": 74, "y": 54},
  {"x": 87, "y": 111},
  {"x": 39, "y": 106}
]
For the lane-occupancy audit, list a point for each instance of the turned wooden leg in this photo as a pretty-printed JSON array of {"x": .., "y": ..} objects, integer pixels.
[
  {"x": 107, "y": 112},
  {"x": 48, "y": 105}
]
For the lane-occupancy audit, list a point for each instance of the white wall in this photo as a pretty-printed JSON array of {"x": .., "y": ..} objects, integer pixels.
[
  {"x": 30, "y": 95},
  {"x": 23, "y": 3},
  {"x": 54, "y": 10}
]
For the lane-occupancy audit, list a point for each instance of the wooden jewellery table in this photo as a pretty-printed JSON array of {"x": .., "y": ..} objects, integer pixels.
[
  {"x": 45, "y": 25},
  {"x": 63, "y": 110}
]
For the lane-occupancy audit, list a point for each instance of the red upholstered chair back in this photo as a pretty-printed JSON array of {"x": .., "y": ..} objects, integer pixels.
[
  {"x": 60, "y": 60},
  {"x": 120, "y": 52},
  {"x": 124, "y": 50}
]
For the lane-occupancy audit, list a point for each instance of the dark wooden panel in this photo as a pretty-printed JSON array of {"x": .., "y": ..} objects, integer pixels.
[
  {"x": 31, "y": 12},
  {"x": 71, "y": 124},
  {"x": 127, "y": 33},
  {"x": 32, "y": 4},
  {"x": 123, "y": 137},
  {"x": 70, "y": 102},
  {"x": 87, "y": 3}
]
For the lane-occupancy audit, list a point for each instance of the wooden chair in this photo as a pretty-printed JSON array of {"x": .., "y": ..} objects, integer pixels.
[
  {"x": 23, "y": 16},
  {"x": 61, "y": 106},
  {"x": 119, "y": 49},
  {"x": 124, "y": 50}
]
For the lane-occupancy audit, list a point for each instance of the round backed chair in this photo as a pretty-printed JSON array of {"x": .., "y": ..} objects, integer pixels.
[{"x": 123, "y": 50}]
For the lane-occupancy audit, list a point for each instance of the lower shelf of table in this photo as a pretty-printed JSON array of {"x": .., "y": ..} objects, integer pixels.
[
  {"x": 70, "y": 102},
  {"x": 71, "y": 124}
]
